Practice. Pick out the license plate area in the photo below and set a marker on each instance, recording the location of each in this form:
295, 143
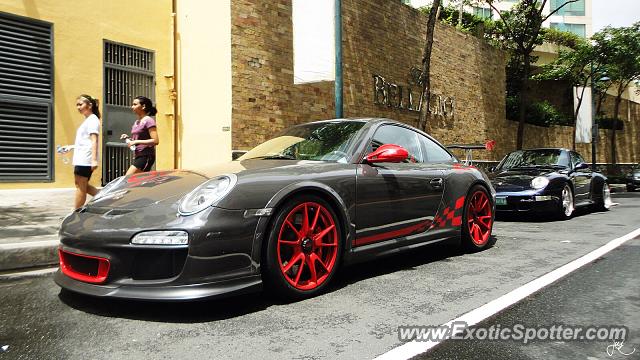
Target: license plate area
501, 201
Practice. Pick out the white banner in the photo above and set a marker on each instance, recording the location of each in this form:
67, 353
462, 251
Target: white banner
584, 120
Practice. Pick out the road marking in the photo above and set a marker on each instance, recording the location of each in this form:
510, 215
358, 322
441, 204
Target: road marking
28, 273
29, 244
491, 308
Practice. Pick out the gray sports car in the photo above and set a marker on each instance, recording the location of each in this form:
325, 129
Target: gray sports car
288, 213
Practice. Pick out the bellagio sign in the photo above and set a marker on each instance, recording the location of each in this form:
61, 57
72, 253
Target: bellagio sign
386, 93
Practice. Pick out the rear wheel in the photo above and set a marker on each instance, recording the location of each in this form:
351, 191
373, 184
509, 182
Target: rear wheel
566, 207
604, 201
477, 220
304, 248
631, 188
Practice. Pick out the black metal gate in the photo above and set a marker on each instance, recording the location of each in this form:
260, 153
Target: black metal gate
128, 72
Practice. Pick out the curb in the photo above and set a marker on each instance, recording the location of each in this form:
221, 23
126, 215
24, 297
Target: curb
28, 254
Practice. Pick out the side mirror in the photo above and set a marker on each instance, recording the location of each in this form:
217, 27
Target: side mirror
492, 169
581, 166
388, 153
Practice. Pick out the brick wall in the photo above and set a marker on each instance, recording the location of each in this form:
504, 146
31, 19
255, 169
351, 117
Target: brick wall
379, 37
386, 38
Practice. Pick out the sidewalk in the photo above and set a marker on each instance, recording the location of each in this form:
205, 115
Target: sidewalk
29, 223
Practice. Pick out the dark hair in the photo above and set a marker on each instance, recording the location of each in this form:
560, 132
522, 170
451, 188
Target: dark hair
87, 99
148, 105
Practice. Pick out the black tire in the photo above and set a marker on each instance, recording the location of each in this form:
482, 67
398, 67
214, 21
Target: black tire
280, 247
481, 217
631, 188
566, 206
603, 200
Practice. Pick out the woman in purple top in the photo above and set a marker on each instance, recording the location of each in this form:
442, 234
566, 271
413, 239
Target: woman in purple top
144, 136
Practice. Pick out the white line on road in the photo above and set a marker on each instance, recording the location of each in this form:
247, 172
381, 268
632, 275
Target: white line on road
491, 308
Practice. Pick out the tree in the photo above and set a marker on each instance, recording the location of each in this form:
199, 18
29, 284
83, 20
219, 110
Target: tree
577, 66
426, 65
519, 32
619, 50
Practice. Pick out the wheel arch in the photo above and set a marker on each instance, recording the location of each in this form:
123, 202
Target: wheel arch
320, 190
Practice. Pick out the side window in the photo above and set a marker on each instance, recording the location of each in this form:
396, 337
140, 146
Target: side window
391, 134
575, 159
434, 152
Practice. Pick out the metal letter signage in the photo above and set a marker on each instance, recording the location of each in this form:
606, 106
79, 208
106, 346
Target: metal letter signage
392, 95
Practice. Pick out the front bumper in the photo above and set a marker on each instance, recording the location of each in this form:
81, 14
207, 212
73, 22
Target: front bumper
633, 182
218, 289
527, 201
220, 258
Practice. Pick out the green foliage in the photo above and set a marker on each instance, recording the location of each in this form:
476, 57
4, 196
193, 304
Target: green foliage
619, 50
471, 23
563, 38
608, 123
538, 113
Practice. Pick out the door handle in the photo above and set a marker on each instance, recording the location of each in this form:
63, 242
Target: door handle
436, 183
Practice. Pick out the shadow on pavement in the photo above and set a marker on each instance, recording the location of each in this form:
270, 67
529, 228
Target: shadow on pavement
221, 309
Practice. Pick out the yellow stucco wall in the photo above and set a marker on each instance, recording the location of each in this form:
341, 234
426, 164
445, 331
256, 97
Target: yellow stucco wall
79, 29
204, 82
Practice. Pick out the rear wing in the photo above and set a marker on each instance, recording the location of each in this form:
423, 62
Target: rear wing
468, 149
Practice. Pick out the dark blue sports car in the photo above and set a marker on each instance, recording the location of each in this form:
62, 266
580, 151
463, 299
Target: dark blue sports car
554, 181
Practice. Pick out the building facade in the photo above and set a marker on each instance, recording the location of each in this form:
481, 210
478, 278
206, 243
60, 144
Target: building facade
223, 77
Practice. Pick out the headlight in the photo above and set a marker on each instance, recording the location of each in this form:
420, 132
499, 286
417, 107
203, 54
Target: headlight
109, 188
161, 238
206, 194
539, 182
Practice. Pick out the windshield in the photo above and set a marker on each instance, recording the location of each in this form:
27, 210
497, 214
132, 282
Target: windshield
325, 141
535, 158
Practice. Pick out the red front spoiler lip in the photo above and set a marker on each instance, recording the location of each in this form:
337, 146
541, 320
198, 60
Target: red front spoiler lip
67, 269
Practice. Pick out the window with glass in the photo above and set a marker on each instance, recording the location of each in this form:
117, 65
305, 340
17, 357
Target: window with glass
434, 152
324, 141
397, 135
535, 158
571, 9
482, 12
578, 29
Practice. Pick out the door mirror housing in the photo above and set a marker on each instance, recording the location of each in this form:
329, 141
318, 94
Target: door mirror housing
492, 169
389, 153
581, 166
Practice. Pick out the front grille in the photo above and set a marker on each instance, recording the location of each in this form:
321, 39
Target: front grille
155, 264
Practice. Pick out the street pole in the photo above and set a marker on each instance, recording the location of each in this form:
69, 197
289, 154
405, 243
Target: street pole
594, 124
338, 49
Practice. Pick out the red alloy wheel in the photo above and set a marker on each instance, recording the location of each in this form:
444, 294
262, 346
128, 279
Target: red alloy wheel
307, 246
479, 218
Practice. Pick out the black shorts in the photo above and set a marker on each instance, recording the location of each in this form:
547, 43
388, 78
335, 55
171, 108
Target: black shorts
84, 171
144, 162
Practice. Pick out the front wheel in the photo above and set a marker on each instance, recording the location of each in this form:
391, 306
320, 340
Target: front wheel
304, 248
566, 207
477, 220
604, 201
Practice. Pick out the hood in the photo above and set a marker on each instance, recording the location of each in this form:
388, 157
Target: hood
236, 167
145, 189
518, 177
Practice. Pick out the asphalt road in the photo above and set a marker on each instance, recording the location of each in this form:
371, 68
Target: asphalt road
602, 294
358, 318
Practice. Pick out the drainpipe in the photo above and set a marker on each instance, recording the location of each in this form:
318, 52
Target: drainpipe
174, 95
338, 51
